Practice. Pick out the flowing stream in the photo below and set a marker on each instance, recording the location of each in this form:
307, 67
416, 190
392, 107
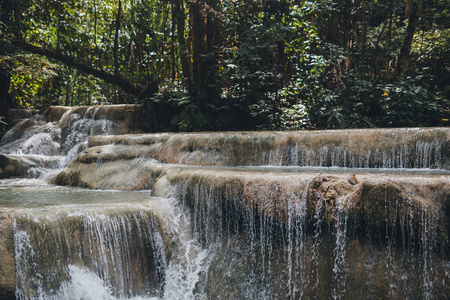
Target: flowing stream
360, 214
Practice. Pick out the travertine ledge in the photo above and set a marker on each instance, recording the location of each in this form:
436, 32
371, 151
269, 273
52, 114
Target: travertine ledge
353, 148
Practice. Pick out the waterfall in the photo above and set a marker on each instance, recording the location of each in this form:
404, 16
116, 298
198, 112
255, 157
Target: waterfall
338, 214
393, 149
124, 250
60, 133
138, 247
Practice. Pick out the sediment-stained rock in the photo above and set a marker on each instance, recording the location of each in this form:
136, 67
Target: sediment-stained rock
10, 167
287, 233
27, 166
373, 199
122, 242
318, 234
363, 148
7, 267
33, 142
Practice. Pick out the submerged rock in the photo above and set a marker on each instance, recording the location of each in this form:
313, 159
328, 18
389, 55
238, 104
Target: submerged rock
10, 167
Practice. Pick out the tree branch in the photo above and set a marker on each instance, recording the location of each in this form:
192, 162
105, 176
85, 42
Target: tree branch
117, 80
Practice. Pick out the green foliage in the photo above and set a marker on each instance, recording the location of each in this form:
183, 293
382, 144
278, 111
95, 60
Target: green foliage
189, 117
267, 64
409, 104
294, 117
261, 59
31, 79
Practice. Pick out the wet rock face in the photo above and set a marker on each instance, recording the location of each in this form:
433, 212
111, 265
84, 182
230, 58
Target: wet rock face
125, 248
79, 123
384, 148
276, 233
330, 235
330, 191
391, 247
60, 131
30, 166
10, 167
63, 123
122, 175
369, 272
7, 268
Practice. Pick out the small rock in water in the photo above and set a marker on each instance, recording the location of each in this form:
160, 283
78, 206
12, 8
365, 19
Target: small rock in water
352, 179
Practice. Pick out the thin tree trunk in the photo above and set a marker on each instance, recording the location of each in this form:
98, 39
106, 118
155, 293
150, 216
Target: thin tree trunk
405, 51
163, 61
95, 35
72, 89
194, 34
5, 100
180, 19
389, 37
212, 41
66, 103
172, 49
17, 21
363, 30
116, 40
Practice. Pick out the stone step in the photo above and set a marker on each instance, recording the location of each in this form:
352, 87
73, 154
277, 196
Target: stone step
353, 148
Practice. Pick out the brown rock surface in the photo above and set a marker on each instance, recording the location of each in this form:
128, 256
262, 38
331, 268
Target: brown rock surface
7, 268
382, 148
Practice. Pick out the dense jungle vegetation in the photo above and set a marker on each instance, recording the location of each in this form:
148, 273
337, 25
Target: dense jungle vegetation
230, 65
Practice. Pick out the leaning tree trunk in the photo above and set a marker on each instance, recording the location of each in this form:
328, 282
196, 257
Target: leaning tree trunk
414, 15
117, 80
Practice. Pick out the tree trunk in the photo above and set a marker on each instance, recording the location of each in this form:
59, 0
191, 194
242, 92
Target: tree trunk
415, 12
17, 21
203, 44
363, 31
5, 100
96, 51
173, 47
116, 40
178, 11
66, 100
197, 37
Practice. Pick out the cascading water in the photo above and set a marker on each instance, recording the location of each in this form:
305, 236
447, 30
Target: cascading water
261, 258
109, 245
356, 214
52, 140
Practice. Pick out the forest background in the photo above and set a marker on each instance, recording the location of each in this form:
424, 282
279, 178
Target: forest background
233, 65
